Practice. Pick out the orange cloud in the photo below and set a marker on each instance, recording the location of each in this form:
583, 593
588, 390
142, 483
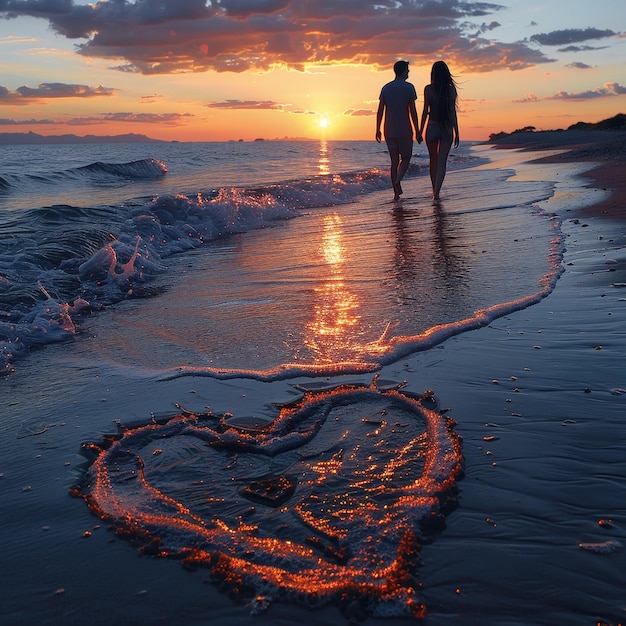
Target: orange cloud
246, 104
155, 37
606, 91
168, 119
44, 91
358, 112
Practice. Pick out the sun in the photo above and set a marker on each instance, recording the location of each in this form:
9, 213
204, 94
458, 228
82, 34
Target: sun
323, 122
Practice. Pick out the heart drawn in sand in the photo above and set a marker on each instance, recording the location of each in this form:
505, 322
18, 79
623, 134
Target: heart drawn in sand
328, 502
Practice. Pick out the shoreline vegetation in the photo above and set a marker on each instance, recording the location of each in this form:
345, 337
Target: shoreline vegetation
615, 123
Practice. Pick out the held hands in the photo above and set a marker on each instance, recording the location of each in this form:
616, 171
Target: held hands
419, 137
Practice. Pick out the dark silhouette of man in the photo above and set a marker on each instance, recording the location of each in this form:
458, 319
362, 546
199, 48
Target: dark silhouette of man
397, 105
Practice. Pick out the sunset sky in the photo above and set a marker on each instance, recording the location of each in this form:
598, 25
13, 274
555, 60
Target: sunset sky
218, 70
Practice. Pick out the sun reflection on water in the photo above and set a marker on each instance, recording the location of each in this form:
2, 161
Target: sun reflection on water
335, 333
323, 164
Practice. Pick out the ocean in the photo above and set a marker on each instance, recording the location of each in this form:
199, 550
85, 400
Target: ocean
86, 227
192, 340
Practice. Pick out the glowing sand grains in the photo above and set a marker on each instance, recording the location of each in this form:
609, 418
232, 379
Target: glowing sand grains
329, 502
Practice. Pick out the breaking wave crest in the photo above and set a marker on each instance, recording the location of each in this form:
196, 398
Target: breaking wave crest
142, 168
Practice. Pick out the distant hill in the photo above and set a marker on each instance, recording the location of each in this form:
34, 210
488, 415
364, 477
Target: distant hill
617, 122
35, 139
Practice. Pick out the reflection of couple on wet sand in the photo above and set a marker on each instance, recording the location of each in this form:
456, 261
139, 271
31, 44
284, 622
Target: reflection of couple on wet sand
397, 106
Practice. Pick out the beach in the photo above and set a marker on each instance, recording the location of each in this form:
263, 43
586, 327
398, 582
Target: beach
538, 397
603, 148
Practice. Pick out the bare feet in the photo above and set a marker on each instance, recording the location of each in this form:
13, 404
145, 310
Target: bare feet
397, 191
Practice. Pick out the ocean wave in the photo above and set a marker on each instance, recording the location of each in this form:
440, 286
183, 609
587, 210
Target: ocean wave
104, 254
142, 168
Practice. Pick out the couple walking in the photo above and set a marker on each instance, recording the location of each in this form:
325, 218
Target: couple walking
397, 105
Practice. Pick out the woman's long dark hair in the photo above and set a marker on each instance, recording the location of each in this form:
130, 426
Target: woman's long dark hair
441, 81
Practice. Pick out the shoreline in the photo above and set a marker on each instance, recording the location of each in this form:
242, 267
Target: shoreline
606, 148
539, 398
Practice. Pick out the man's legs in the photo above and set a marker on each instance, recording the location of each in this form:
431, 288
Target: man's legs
394, 155
406, 152
400, 151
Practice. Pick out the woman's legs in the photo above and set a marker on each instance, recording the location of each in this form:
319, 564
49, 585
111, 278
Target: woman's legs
439, 143
442, 162
433, 153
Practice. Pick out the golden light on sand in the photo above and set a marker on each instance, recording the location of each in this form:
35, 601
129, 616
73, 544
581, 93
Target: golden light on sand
375, 470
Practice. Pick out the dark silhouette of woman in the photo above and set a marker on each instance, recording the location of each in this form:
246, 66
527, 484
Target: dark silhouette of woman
440, 99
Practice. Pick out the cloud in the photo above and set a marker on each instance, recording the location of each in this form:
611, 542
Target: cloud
144, 118
359, 112
11, 39
579, 66
166, 37
246, 104
484, 28
570, 35
607, 90
44, 91
134, 118
63, 90
529, 97
32, 122
581, 48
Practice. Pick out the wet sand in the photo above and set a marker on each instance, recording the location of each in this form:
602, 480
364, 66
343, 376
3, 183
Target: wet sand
542, 417
607, 149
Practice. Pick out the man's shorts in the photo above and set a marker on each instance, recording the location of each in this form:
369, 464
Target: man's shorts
401, 145
436, 132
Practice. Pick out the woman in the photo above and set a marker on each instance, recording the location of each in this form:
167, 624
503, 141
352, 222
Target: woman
443, 127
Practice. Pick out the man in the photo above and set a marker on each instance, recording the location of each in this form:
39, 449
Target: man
397, 103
